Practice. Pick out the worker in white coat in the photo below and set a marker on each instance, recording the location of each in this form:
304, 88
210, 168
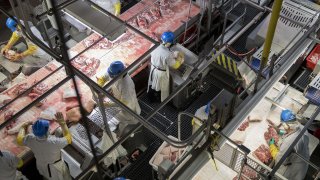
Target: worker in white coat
40, 57
47, 148
123, 90
161, 58
202, 113
293, 168
8, 166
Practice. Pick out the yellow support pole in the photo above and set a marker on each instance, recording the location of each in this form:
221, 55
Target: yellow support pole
276, 8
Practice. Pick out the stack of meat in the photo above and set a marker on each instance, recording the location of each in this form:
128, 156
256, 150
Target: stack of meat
247, 172
169, 152
271, 133
6, 116
86, 65
263, 154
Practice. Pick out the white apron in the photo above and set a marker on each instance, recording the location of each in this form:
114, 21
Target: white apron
159, 78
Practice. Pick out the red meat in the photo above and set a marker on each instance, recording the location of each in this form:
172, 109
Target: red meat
247, 172
86, 65
155, 13
142, 21
244, 126
271, 133
148, 16
133, 22
263, 154
20, 88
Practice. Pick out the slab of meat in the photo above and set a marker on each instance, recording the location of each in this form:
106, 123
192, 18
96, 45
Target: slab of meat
73, 114
169, 152
19, 89
154, 36
7, 115
104, 44
263, 154
165, 3
142, 21
86, 65
133, 22
244, 126
38, 90
166, 11
155, 13
4, 99
271, 133
88, 42
247, 172
148, 16
124, 38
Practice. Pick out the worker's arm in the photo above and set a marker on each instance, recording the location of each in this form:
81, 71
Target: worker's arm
20, 163
274, 150
102, 80
13, 39
22, 133
117, 8
175, 59
64, 127
32, 48
30, 51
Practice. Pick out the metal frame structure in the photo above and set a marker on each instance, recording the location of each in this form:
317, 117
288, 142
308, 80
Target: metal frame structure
63, 58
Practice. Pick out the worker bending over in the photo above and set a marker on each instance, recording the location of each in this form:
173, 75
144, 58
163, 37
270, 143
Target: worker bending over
8, 166
41, 58
293, 168
123, 90
47, 148
161, 58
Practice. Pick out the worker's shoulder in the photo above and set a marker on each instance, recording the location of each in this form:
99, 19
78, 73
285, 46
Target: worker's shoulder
161, 50
56, 140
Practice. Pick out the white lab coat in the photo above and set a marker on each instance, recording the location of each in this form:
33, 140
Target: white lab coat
201, 114
8, 166
159, 78
106, 144
124, 90
294, 168
48, 156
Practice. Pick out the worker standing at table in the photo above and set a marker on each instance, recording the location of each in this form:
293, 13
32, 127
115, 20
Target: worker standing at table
40, 59
161, 59
47, 148
123, 90
293, 168
8, 166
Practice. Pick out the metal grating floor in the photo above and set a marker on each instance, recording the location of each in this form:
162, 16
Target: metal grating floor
165, 120
303, 80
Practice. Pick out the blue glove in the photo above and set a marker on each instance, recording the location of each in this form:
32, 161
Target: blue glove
271, 141
287, 115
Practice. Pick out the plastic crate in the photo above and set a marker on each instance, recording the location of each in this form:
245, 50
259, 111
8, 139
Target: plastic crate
163, 145
313, 57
